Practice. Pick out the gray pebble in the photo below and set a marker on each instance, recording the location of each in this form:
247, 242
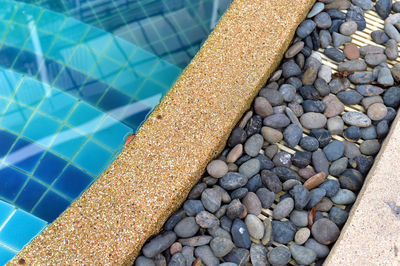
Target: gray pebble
356, 119
316, 9
301, 196
193, 207
283, 232
279, 256
320, 162
302, 255
322, 251
290, 69
238, 256
159, 244
325, 38
313, 120
258, 255
283, 208
375, 59
305, 28
344, 196
266, 197
288, 92
338, 166
370, 147
177, 260
206, 255
353, 65
211, 197
340, 39
187, 227
383, 8
294, 49
323, 20
143, 261
221, 246
206, 219
250, 168
277, 121
379, 36
338, 216
240, 234
255, 226
370, 49
254, 144
195, 241
350, 97
348, 28
364, 4
299, 218
335, 125
385, 77
273, 96
325, 231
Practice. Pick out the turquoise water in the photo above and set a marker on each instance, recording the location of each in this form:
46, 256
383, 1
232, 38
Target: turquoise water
76, 78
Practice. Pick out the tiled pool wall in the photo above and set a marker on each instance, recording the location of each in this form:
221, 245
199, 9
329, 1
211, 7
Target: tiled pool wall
75, 82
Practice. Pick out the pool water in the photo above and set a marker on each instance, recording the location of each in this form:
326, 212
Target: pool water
76, 78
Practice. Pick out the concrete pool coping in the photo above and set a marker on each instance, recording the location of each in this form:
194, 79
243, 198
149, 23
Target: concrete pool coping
151, 177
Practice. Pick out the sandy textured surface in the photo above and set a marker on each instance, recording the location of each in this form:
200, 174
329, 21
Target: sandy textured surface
371, 235
150, 179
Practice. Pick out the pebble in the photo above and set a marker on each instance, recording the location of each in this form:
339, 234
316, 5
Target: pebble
143, 261
325, 38
294, 49
283, 232
335, 14
322, 251
316, 9
356, 119
238, 256
338, 4
250, 168
193, 207
240, 234
290, 69
391, 97
255, 226
348, 28
302, 255
367, 101
271, 181
282, 158
338, 84
159, 244
289, 184
323, 20
277, 121
302, 236
206, 219
271, 150
383, 8
314, 181
351, 150
175, 247
262, 107
313, 120
292, 116
322, 86
351, 51
351, 179
352, 133
353, 65
285, 173
370, 147
299, 218
385, 77
340, 39
322, 135
325, 73
337, 167
377, 111
217, 168
396, 7
237, 136
221, 246
234, 153
316, 196
335, 25
160, 260
253, 145
301, 159
364, 4
370, 49
325, 231
206, 255
235, 209
349, 97
288, 92
187, 227
252, 203
292, 135
253, 184
301, 196
333, 106
309, 143
174, 219
320, 162
392, 50
356, 14
265, 162
335, 125
258, 255
211, 198
254, 125
375, 59
362, 77
344, 196
379, 36
279, 256
324, 205
306, 173
195, 241
382, 128
283, 208
266, 197
309, 76
304, 29
314, 106
338, 216
271, 135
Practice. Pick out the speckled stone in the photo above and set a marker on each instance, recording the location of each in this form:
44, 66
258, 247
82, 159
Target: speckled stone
279, 256
356, 119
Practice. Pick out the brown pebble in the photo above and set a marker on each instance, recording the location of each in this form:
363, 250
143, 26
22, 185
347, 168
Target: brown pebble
197, 262
377, 111
351, 51
271, 150
314, 181
245, 119
324, 205
244, 213
334, 106
271, 135
262, 107
235, 153
306, 173
175, 248
232, 167
252, 203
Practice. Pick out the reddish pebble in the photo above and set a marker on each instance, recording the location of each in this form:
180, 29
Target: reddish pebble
197, 262
351, 51
306, 173
175, 247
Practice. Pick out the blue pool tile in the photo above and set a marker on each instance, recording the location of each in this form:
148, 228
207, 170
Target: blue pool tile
166, 73
85, 118
21, 229
26, 14
7, 140
11, 181
7, 10
3, 27
30, 92
51, 206
50, 21
150, 89
93, 158
15, 117
112, 133
5, 210
28, 63
128, 81
119, 50
49, 167
83, 59
3, 104
113, 100
137, 115
6, 255
67, 142
70, 80
61, 49
8, 80
7, 55
16, 35
143, 61
73, 29
72, 182
57, 104
41, 129
24, 155
97, 39
106, 70
39, 42
29, 195
92, 90
49, 70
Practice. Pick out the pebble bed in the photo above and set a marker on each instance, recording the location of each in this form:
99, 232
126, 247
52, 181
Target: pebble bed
283, 187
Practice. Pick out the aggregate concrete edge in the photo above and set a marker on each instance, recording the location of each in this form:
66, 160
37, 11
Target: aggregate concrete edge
151, 177
371, 235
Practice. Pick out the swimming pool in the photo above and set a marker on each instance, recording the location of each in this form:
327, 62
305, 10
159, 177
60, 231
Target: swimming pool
78, 77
